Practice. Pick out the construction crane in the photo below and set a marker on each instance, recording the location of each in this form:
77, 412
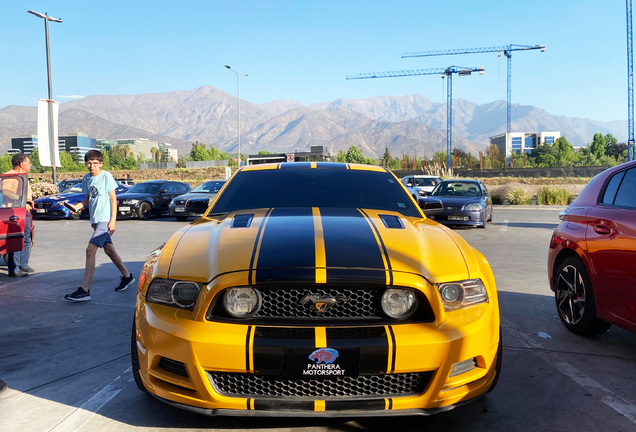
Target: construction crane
631, 151
507, 51
445, 72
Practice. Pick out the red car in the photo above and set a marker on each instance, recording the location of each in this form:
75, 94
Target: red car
13, 201
592, 255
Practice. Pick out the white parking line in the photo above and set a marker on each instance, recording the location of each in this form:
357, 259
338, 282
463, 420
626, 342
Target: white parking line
81, 415
504, 225
593, 387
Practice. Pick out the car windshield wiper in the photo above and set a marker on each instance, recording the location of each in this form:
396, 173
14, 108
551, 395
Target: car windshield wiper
217, 214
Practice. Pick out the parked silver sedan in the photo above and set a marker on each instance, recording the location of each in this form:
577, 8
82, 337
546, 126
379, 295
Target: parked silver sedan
420, 185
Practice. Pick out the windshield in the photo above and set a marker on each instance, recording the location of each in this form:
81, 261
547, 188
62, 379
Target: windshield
209, 187
426, 181
144, 188
71, 187
457, 188
324, 187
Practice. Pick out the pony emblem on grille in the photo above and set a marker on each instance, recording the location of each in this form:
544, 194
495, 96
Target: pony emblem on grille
322, 303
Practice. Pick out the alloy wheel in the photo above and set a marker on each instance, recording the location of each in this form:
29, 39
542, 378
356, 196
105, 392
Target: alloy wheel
570, 294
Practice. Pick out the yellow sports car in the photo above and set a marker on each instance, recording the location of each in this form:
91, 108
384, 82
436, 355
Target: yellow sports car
316, 289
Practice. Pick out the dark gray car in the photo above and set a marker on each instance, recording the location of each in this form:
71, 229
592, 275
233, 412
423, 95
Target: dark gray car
195, 202
466, 202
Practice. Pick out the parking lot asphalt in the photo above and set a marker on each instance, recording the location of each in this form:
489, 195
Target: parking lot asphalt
67, 365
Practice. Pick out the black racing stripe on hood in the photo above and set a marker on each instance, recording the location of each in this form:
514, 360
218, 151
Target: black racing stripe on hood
258, 236
349, 240
270, 343
300, 275
372, 341
384, 251
358, 275
288, 239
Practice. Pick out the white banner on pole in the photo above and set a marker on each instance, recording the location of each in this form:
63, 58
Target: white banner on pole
48, 145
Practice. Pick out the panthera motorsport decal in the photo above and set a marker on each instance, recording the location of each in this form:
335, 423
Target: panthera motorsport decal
324, 355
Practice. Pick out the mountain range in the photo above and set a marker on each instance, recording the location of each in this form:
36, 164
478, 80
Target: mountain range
404, 124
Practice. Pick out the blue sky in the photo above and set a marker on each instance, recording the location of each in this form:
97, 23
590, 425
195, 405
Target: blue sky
303, 50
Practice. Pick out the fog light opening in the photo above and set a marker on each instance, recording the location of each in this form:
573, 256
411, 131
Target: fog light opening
463, 367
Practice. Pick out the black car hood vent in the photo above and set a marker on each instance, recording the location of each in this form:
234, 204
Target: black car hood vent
391, 221
242, 220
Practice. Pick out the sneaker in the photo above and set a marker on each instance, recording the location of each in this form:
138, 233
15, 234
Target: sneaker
28, 270
123, 284
79, 296
19, 273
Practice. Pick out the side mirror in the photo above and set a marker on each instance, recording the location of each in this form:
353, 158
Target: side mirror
409, 184
430, 206
163, 191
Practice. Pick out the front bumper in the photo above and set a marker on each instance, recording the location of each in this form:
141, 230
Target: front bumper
180, 210
167, 337
460, 217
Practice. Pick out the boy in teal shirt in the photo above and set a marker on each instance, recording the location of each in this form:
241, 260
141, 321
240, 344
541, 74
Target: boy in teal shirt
99, 187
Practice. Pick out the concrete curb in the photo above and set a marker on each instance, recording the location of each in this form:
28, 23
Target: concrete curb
3, 385
529, 207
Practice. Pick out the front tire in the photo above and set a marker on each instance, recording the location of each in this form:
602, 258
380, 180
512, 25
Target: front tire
574, 299
144, 211
76, 216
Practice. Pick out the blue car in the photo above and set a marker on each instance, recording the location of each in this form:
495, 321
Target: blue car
52, 206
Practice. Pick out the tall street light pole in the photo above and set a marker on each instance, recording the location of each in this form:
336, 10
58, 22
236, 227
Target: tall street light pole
238, 104
47, 18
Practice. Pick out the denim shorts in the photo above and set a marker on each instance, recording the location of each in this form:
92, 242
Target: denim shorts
101, 236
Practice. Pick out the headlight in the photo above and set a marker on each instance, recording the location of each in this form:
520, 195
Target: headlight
398, 303
130, 201
424, 193
182, 294
242, 302
474, 207
461, 294
59, 203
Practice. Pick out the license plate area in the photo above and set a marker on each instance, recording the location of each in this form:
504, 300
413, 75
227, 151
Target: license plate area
41, 210
459, 218
322, 363
124, 209
180, 209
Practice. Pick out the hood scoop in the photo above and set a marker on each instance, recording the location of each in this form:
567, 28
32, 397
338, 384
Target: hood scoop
392, 222
242, 220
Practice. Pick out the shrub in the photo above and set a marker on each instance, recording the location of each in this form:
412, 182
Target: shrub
41, 189
518, 194
550, 196
497, 198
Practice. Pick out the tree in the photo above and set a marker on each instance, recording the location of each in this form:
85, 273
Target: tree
386, 158
199, 152
263, 152
5, 163
340, 156
566, 155
597, 146
354, 155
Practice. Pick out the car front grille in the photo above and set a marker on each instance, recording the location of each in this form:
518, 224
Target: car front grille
179, 202
43, 205
195, 206
286, 304
253, 385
